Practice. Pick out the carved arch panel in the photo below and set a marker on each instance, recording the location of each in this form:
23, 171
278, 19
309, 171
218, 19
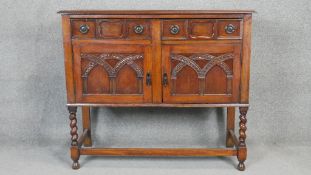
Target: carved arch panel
112, 64
207, 62
201, 73
106, 72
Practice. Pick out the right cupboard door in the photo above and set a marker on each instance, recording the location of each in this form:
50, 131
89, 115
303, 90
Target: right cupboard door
201, 73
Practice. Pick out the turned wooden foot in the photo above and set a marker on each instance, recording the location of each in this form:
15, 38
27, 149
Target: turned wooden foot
242, 150
75, 165
241, 166
74, 150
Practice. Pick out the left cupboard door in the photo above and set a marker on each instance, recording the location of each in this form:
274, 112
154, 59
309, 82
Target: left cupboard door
112, 73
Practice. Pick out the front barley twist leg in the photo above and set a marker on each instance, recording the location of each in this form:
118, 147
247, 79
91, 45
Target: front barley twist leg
75, 154
242, 150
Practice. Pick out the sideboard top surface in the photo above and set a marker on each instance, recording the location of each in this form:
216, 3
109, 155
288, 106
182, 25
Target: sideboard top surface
152, 12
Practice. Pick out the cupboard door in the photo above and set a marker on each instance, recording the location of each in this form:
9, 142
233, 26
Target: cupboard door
201, 73
108, 73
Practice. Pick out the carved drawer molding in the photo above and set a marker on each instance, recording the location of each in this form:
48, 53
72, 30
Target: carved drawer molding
130, 29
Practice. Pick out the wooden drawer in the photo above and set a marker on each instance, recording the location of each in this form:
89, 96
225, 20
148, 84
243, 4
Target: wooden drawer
83, 28
202, 28
138, 29
129, 29
229, 29
174, 29
198, 29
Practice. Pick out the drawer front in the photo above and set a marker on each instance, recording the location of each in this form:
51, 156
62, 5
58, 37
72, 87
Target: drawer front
206, 73
112, 73
174, 29
201, 29
229, 29
83, 28
128, 29
138, 29
111, 28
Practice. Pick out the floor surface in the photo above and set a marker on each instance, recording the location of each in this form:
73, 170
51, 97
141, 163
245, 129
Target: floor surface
263, 160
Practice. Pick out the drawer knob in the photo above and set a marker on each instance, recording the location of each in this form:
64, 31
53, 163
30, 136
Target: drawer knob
174, 29
84, 28
139, 29
230, 28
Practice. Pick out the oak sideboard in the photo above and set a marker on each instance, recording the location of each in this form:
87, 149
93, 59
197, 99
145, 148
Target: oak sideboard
157, 58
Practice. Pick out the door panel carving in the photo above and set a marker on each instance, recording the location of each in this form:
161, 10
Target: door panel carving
130, 62
201, 73
211, 62
107, 73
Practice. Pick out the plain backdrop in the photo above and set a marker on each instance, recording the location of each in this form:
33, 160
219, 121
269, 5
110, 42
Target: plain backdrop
32, 84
